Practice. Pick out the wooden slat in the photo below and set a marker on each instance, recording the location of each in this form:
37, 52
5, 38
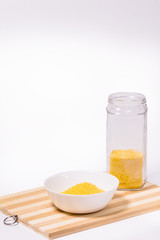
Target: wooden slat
23, 200
35, 210
22, 194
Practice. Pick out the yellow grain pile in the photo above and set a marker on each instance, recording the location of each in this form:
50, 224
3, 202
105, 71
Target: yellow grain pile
83, 189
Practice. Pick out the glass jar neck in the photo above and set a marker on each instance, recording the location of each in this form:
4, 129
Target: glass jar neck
126, 103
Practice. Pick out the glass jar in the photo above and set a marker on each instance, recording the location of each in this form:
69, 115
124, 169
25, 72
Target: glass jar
127, 139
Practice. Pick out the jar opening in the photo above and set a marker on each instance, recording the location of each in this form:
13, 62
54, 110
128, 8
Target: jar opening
124, 99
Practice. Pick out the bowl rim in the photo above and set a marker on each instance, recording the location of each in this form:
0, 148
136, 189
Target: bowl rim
84, 195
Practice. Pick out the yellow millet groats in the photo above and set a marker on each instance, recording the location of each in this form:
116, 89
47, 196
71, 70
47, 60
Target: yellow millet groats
83, 189
127, 166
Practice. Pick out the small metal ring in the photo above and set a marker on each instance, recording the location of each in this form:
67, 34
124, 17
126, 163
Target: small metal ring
11, 220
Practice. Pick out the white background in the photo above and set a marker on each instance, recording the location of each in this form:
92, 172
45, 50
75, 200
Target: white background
59, 61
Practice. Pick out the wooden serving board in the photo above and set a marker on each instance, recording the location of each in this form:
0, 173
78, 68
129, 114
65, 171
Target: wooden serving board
35, 209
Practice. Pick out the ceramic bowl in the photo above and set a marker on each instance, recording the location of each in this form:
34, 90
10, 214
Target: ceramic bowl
81, 203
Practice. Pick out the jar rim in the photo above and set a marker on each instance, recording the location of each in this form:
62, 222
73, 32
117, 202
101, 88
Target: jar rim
123, 98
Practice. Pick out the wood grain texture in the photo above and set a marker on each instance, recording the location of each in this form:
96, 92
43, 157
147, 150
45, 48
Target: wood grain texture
35, 209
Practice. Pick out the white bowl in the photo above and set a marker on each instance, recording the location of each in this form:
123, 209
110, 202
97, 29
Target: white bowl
81, 203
